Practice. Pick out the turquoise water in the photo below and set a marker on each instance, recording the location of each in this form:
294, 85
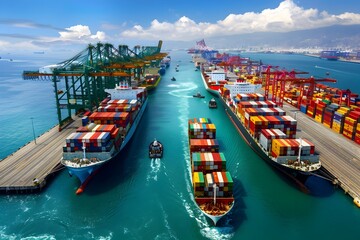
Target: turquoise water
137, 198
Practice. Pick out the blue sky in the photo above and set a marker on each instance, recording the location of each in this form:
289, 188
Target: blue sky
39, 25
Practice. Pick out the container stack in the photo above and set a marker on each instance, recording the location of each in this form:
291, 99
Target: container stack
243, 106
208, 162
103, 129
198, 184
290, 147
93, 141
304, 106
204, 145
267, 135
240, 97
285, 123
120, 119
204, 184
202, 130
319, 112
264, 112
339, 119
311, 109
115, 108
329, 114
350, 124
357, 134
208, 165
224, 184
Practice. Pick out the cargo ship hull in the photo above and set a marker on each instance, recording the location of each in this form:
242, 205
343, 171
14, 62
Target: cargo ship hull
212, 183
82, 173
297, 175
84, 167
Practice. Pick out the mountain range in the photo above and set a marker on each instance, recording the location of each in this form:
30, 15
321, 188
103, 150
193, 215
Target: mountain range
334, 37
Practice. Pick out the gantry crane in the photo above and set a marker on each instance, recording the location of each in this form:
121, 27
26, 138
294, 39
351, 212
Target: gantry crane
277, 79
80, 81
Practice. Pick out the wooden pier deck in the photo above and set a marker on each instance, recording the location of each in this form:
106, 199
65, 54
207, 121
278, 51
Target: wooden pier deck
40, 160
338, 155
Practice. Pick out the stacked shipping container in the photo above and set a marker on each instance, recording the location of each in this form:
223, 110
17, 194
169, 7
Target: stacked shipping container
350, 124
204, 184
208, 165
102, 130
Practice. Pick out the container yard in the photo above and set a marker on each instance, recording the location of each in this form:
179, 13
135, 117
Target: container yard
338, 154
330, 119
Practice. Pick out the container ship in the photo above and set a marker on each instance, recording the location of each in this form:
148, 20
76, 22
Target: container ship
104, 133
262, 124
212, 183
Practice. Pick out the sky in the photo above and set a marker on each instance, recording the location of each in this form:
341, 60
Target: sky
70, 25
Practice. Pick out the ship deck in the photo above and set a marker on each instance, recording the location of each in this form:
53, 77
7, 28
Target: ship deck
338, 155
34, 161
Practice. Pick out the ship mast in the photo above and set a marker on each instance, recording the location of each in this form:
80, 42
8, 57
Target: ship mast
84, 151
300, 146
215, 187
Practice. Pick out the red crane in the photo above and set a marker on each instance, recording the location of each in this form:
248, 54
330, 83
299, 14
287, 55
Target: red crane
345, 95
277, 79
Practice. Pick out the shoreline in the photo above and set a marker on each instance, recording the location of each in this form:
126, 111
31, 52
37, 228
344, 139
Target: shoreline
340, 59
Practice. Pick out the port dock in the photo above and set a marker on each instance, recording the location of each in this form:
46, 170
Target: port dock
339, 156
27, 169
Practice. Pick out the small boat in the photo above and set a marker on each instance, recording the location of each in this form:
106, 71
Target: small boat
212, 103
176, 69
198, 95
155, 149
173, 79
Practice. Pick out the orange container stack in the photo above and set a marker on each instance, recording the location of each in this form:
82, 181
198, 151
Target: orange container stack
350, 124
290, 147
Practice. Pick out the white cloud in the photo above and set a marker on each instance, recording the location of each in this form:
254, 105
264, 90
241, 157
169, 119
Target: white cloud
81, 32
288, 16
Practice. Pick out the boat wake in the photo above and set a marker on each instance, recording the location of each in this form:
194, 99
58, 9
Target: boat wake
218, 232
155, 164
169, 234
183, 89
329, 69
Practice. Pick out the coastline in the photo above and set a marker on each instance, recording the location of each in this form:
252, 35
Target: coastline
340, 59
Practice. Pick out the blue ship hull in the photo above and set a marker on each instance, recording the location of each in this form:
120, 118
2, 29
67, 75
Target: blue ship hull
83, 173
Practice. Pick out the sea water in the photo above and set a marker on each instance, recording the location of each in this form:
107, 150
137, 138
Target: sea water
136, 197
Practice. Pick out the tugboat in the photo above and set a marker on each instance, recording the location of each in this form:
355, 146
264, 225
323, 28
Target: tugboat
155, 149
198, 95
173, 79
212, 103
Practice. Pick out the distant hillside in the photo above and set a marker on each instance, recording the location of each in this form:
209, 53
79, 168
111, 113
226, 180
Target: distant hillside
327, 38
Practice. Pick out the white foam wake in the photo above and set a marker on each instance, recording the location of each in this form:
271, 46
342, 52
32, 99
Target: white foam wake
155, 164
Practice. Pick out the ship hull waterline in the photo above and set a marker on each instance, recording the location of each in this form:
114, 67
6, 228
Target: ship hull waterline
299, 177
84, 174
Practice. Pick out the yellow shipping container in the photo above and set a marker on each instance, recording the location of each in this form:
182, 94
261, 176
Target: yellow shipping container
336, 128
318, 118
199, 194
349, 119
277, 145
